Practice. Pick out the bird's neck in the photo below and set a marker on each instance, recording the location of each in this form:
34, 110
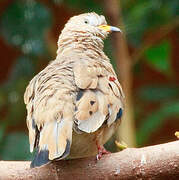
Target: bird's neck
81, 42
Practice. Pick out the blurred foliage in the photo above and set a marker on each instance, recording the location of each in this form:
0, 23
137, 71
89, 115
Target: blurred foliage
25, 23
85, 5
11, 147
158, 93
155, 119
158, 56
142, 16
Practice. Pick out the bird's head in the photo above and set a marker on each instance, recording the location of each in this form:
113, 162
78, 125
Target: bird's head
90, 24
86, 31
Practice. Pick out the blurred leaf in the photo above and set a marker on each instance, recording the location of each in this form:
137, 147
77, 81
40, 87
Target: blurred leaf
57, 1
110, 144
23, 68
172, 7
156, 93
15, 147
34, 46
2, 131
141, 16
135, 19
108, 49
16, 109
3, 98
11, 92
158, 57
86, 5
154, 121
24, 24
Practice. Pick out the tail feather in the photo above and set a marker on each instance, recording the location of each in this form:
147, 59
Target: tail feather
66, 152
41, 158
54, 142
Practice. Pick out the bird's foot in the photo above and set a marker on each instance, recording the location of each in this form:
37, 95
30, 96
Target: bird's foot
101, 152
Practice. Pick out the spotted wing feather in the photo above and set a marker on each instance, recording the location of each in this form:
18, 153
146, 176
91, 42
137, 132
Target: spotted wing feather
100, 99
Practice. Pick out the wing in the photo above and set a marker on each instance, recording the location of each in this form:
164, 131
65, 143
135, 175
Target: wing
100, 96
28, 99
50, 109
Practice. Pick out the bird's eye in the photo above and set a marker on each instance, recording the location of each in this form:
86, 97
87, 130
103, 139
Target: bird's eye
86, 21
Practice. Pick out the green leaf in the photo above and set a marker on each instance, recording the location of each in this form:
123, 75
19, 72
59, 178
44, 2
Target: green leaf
158, 57
154, 121
15, 146
155, 93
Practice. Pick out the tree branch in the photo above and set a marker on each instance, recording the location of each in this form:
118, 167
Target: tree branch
153, 162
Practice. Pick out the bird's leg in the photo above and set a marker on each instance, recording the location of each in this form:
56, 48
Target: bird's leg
101, 151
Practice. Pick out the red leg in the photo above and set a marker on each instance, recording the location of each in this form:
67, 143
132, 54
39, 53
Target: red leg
101, 151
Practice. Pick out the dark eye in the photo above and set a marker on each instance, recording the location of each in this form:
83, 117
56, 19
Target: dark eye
86, 21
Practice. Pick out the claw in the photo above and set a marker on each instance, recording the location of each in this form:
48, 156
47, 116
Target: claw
101, 152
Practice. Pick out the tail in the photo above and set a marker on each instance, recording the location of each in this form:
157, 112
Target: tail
40, 158
54, 143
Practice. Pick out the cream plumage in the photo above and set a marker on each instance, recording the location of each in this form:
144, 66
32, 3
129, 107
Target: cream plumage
74, 103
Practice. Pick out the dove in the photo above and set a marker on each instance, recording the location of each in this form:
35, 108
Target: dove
75, 104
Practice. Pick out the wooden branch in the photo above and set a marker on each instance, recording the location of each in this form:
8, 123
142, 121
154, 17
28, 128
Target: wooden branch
153, 162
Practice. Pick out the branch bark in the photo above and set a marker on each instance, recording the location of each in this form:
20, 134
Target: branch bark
153, 162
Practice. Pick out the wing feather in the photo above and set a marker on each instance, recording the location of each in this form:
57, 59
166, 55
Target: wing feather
50, 109
101, 98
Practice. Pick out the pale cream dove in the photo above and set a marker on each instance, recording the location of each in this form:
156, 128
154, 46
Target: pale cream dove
74, 104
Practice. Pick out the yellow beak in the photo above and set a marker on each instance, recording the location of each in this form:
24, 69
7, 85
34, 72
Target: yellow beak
108, 28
